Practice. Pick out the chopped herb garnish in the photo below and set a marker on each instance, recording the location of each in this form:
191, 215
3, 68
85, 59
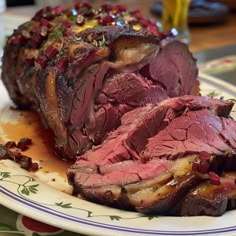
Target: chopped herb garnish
56, 35
213, 94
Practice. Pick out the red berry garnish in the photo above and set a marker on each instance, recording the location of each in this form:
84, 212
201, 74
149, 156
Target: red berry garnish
50, 51
204, 155
16, 40
121, 8
214, 178
144, 23
29, 61
67, 32
58, 10
106, 20
34, 167
201, 167
107, 7
66, 24
80, 20
44, 31
10, 144
26, 34
137, 14
154, 31
45, 22
41, 61
85, 5
36, 41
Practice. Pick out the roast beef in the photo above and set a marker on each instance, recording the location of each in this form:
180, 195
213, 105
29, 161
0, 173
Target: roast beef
131, 171
111, 87
83, 68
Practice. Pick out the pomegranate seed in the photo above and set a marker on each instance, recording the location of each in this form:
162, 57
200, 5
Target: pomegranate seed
10, 144
106, 20
204, 155
36, 41
22, 147
121, 8
137, 14
153, 22
25, 162
48, 9
44, 31
17, 155
50, 51
43, 13
214, 178
38, 15
16, 40
41, 61
85, 5
195, 166
45, 22
34, 167
66, 24
154, 31
203, 167
107, 7
77, 4
58, 9
25, 34
145, 23
80, 20
67, 32
62, 64
25, 141
29, 61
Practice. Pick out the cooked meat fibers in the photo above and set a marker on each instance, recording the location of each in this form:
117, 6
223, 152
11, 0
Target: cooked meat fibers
130, 171
82, 71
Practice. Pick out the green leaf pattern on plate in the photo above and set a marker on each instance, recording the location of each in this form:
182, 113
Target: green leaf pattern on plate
25, 189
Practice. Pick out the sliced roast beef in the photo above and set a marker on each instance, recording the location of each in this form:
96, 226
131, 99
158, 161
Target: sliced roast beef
160, 70
192, 133
130, 177
98, 79
83, 75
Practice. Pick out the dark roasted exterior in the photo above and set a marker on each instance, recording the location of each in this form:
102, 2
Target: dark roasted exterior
120, 99
82, 69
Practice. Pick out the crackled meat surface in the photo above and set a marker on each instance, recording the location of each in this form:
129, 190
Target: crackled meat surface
83, 68
161, 157
122, 100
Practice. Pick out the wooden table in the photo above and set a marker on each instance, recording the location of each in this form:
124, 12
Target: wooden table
205, 37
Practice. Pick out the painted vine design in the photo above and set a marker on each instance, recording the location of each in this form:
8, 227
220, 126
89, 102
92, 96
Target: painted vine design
30, 187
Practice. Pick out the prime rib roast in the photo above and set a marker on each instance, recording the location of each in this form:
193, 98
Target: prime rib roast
82, 69
122, 100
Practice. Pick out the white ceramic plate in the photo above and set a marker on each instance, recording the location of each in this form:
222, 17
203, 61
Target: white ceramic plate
40, 198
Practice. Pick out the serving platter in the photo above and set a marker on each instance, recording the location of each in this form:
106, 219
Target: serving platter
45, 195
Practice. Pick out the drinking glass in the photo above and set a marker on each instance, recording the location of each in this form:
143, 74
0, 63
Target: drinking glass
2, 35
175, 16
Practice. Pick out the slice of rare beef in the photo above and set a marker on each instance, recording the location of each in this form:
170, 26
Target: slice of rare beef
116, 172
